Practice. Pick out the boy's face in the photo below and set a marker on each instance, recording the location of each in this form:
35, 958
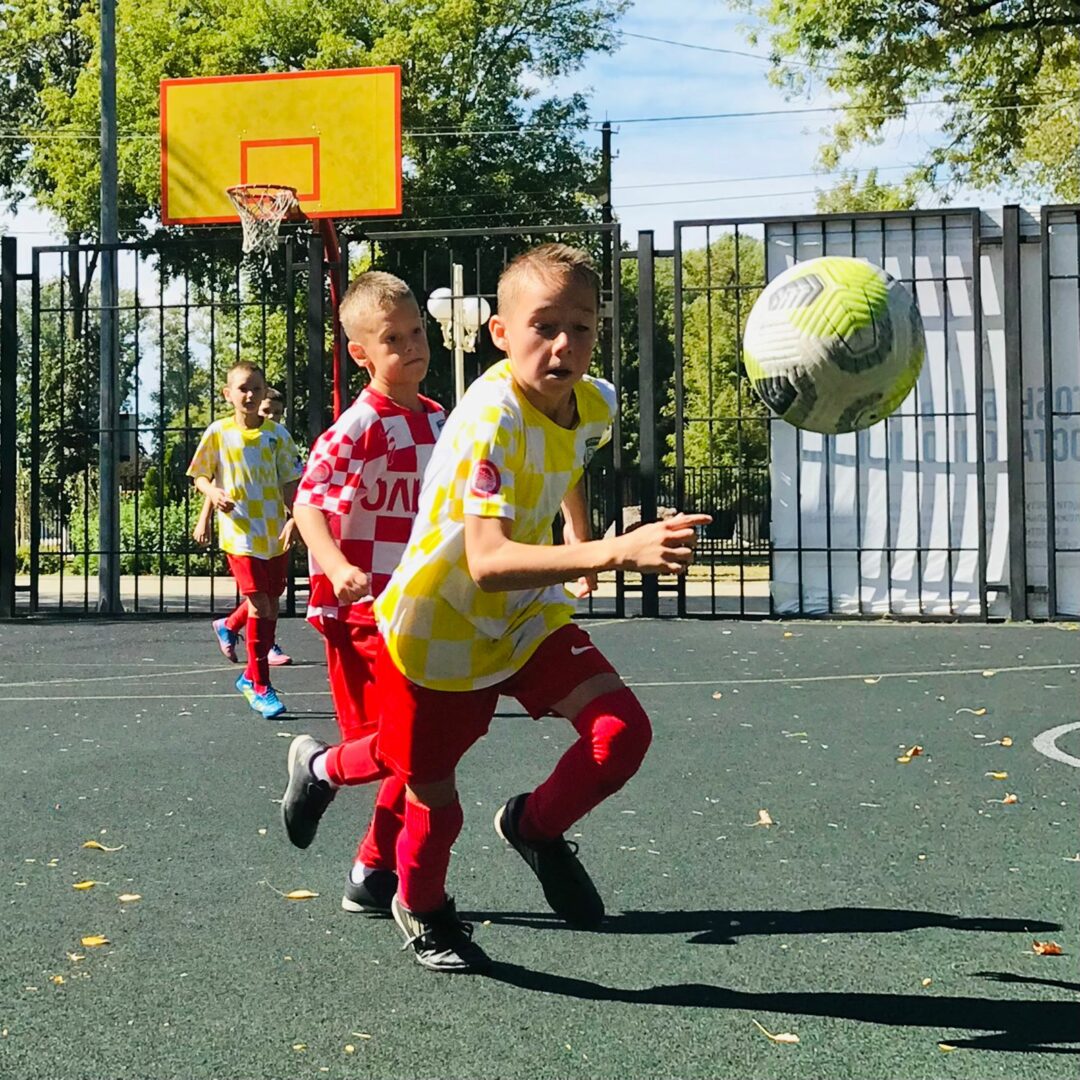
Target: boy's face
548, 334
245, 391
272, 409
392, 344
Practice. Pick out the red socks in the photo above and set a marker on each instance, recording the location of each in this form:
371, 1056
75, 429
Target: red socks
237, 620
423, 854
354, 762
614, 734
260, 639
379, 848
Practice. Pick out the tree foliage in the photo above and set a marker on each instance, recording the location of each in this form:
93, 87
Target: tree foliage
481, 137
1005, 75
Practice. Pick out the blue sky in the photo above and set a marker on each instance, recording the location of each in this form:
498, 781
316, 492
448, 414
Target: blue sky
692, 169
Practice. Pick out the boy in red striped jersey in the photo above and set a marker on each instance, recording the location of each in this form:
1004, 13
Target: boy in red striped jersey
355, 508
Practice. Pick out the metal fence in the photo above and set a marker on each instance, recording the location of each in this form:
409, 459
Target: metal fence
964, 504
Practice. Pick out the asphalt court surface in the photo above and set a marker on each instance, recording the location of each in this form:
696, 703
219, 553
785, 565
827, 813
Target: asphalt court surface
889, 911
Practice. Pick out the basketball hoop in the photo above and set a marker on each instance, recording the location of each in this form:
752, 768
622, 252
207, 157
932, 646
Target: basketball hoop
262, 209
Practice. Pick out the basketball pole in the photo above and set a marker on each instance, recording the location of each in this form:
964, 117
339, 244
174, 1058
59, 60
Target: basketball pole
108, 464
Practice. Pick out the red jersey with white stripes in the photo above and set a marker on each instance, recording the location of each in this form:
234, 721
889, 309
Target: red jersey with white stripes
364, 473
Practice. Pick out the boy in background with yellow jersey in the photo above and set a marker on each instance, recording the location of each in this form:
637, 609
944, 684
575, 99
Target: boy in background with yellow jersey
478, 608
248, 467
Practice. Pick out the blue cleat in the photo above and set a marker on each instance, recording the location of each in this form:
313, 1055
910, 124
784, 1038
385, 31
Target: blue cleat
266, 704
226, 639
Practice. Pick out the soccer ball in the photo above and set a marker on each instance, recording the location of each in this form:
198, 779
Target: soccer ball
833, 344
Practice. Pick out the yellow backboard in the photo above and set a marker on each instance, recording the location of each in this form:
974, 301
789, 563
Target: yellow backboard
335, 136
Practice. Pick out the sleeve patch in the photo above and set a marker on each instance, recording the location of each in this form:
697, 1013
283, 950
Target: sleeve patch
486, 479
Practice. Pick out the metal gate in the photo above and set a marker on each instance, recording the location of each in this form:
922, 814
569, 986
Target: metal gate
888, 521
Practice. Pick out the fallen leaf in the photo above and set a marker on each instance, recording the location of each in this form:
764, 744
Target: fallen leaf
1006, 740
299, 1046
782, 1037
58, 979
129, 897
904, 759
997, 775
763, 818
974, 712
873, 680
788, 633
946, 1048
75, 957
717, 696
360, 1034
915, 751
1072, 858
95, 846
92, 941
1046, 948
927, 982
1010, 799
301, 894
82, 886
349, 1048
988, 673
262, 832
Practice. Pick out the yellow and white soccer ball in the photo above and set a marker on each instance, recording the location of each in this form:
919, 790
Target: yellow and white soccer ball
833, 344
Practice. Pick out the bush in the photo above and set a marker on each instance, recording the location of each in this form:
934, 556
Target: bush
162, 545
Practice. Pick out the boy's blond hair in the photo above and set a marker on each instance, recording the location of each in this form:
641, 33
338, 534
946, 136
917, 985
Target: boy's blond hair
246, 366
374, 290
559, 261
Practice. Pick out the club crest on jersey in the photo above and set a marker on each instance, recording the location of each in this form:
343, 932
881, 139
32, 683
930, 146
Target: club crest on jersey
591, 445
486, 479
319, 473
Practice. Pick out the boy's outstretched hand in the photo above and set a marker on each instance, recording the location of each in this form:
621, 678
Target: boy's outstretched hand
201, 535
661, 547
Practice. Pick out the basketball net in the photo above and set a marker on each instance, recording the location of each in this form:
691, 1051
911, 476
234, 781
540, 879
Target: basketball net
262, 209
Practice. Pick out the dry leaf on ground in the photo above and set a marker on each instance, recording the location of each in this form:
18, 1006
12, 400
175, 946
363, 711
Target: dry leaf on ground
129, 897
872, 680
82, 886
1046, 948
997, 775
763, 818
974, 712
781, 1037
95, 846
92, 941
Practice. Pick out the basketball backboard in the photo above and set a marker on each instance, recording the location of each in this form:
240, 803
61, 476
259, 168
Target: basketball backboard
335, 136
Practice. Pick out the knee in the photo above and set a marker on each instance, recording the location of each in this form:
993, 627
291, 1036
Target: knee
259, 606
621, 735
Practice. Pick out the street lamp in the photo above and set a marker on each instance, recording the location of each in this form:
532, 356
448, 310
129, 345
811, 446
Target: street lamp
460, 317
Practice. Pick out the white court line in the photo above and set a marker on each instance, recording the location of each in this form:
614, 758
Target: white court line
1046, 743
156, 697
110, 678
777, 681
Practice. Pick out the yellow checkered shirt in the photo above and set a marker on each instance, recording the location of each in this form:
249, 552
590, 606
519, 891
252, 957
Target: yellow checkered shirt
498, 456
252, 465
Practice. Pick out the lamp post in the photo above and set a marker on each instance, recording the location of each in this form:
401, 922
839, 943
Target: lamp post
460, 317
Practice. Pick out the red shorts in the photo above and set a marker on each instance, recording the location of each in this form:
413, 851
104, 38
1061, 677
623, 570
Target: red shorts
254, 575
351, 649
424, 733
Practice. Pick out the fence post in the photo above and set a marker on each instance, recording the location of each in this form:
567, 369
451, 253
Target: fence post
316, 340
1013, 410
9, 350
650, 591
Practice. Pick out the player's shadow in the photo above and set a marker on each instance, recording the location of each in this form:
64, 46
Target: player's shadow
1030, 1026
727, 927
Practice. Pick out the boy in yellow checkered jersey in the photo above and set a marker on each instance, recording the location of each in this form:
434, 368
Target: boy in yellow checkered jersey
478, 607
248, 467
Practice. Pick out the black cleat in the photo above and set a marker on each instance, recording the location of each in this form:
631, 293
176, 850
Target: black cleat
373, 894
566, 883
440, 941
306, 798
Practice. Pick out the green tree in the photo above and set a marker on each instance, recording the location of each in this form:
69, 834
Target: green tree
480, 138
848, 195
1005, 75
724, 420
